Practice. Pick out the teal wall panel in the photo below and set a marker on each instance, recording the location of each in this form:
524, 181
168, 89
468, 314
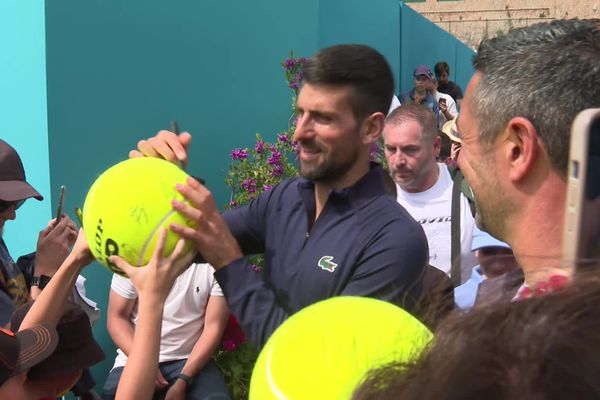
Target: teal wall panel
120, 71
23, 118
425, 43
374, 23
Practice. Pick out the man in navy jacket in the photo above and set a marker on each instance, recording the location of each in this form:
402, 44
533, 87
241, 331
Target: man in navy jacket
334, 230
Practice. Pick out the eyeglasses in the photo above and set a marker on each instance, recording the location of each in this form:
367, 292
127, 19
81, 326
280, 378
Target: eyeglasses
422, 78
5, 205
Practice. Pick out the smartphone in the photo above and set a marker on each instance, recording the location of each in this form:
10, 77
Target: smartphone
581, 232
61, 198
442, 101
174, 127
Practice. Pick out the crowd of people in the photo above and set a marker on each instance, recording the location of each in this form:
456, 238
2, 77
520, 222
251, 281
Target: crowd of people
480, 232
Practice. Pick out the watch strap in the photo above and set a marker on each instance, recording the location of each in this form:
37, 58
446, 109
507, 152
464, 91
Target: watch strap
186, 378
40, 281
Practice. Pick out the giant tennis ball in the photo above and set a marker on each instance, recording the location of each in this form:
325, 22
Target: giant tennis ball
126, 207
325, 350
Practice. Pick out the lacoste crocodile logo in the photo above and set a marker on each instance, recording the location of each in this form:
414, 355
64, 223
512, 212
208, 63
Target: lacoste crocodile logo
326, 263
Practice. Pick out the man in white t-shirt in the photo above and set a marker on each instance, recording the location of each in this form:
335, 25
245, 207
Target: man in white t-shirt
424, 186
194, 318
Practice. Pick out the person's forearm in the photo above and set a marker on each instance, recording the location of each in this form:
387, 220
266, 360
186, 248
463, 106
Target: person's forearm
203, 350
50, 302
137, 381
122, 333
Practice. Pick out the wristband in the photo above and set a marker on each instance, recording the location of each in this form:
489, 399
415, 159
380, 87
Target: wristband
187, 379
40, 281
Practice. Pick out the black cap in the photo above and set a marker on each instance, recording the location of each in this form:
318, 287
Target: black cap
13, 186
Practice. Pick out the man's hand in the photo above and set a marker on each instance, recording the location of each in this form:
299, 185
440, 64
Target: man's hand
166, 145
176, 391
212, 236
443, 106
161, 382
54, 244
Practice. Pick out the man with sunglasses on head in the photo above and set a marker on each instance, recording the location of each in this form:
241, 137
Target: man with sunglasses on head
27, 276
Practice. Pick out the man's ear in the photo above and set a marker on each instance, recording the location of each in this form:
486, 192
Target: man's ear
373, 127
437, 146
521, 147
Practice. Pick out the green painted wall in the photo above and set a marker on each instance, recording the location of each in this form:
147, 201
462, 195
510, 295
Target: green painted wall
23, 122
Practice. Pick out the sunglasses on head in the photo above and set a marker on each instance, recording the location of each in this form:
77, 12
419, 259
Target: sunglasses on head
5, 205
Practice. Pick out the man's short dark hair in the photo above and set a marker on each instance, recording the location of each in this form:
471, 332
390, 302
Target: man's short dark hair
360, 67
440, 68
547, 73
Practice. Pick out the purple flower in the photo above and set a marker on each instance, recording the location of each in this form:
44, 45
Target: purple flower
275, 159
233, 203
256, 268
294, 85
290, 63
277, 170
238, 154
283, 138
260, 146
375, 150
250, 185
267, 187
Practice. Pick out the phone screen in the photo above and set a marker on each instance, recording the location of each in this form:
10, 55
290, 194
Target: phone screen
590, 227
581, 238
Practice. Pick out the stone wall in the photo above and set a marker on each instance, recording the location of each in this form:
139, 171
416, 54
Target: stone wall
473, 20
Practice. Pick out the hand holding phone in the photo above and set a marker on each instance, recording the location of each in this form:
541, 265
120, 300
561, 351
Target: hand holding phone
443, 105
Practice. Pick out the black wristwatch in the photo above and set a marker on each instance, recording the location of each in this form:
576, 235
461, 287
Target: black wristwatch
40, 281
187, 379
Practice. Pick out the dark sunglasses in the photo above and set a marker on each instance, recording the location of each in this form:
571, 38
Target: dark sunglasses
5, 205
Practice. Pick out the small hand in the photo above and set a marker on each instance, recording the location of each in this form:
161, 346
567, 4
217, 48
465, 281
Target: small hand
81, 250
54, 244
443, 106
212, 236
176, 391
454, 150
166, 145
157, 277
160, 382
